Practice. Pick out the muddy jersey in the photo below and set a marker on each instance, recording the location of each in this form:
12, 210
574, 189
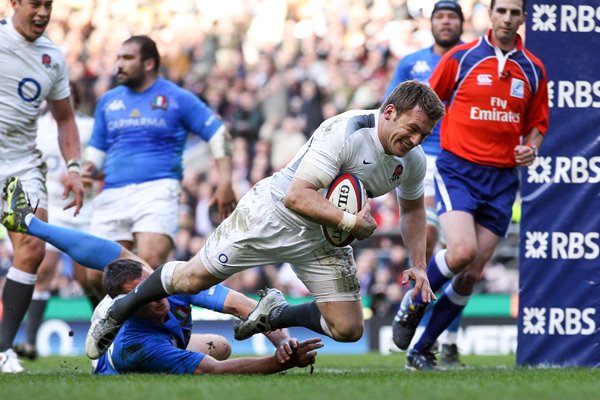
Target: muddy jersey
348, 143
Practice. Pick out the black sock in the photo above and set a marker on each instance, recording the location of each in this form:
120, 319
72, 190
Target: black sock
15, 300
35, 315
93, 300
149, 290
307, 315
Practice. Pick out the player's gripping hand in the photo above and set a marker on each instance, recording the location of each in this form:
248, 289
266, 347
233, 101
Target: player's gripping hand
365, 223
524, 155
305, 353
72, 184
285, 349
89, 174
419, 275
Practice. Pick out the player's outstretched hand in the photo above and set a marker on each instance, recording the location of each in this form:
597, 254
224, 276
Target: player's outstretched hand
305, 353
285, 349
419, 275
225, 200
365, 223
72, 184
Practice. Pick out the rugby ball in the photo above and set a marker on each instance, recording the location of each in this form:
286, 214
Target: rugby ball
347, 193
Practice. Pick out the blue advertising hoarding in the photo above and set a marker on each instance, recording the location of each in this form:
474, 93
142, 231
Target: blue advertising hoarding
59, 337
559, 298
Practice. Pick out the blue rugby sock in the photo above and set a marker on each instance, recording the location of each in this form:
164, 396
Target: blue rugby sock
447, 308
88, 250
438, 273
455, 324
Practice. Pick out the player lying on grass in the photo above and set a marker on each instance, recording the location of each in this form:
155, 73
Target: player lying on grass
157, 338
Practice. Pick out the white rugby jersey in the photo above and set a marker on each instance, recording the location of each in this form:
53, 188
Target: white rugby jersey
349, 143
47, 142
30, 72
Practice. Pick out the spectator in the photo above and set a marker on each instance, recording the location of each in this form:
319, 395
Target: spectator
286, 141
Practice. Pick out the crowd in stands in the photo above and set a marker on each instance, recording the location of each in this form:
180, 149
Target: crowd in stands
273, 70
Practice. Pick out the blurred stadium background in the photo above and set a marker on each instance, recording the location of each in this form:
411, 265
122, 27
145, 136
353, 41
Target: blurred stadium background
273, 70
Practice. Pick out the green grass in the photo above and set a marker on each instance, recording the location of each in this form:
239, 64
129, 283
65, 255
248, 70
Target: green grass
369, 376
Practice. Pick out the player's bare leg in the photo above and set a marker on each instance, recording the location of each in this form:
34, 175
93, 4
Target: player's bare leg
344, 319
214, 345
18, 290
39, 300
153, 247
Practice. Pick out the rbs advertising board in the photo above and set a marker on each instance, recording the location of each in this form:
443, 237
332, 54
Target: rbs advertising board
559, 316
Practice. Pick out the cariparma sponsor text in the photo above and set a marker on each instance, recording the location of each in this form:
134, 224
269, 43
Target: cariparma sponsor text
129, 122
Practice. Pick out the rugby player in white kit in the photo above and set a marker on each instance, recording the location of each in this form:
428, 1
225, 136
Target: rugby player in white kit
47, 143
32, 69
280, 218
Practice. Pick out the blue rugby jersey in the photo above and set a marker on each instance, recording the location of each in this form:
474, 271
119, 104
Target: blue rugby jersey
144, 346
143, 134
419, 65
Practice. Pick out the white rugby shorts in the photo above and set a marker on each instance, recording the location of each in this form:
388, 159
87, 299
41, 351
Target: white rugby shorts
31, 168
64, 218
256, 234
151, 207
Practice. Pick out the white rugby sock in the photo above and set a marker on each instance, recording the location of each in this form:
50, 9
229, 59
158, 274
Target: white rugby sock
325, 327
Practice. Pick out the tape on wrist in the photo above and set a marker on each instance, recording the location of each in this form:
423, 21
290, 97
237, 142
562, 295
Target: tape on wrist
74, 165
348, 221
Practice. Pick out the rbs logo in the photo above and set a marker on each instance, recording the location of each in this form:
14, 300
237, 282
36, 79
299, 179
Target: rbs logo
562, 245
578, 170
577, 94
558, 321
569, 18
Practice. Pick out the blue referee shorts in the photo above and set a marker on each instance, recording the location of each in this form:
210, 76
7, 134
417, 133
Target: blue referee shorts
486, 192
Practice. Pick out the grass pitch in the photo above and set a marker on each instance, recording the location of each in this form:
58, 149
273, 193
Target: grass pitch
370, 376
